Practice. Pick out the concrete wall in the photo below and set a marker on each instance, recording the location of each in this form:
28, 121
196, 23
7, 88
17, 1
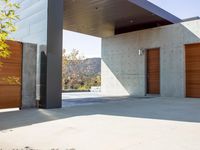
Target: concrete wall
29, 75
124, 71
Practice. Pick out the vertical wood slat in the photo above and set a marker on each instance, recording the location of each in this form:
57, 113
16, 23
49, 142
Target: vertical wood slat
192, 59
10, 92
153, 71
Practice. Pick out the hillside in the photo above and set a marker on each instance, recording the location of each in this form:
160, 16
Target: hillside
89, 66
82, 74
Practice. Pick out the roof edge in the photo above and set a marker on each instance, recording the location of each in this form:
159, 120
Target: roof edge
156, 10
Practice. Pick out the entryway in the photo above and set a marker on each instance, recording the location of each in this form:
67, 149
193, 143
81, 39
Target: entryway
192, 56
153, 71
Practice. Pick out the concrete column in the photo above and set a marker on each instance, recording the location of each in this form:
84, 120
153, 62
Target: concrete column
54, 54
29, 75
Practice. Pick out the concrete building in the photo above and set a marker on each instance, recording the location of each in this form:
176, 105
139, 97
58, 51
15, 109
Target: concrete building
143, 50
124, 70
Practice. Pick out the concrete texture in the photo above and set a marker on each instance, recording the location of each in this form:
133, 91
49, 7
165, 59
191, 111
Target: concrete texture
127, 124
29, 75
124, 71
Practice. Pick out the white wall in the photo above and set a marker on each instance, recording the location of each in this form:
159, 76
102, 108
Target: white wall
32, 28
124, 71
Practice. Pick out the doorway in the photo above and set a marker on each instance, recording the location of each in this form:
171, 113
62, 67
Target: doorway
192, 61
153, 71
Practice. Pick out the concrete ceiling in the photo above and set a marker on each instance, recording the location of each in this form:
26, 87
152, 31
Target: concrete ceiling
105, 18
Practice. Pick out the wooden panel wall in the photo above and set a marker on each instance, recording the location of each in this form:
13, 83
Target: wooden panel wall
10, 77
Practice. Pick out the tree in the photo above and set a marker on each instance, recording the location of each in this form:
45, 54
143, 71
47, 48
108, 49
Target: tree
77, 73
70, 69
64, 68
73, 69
7, 18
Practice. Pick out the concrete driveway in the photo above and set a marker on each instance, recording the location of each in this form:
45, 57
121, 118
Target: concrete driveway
125, 124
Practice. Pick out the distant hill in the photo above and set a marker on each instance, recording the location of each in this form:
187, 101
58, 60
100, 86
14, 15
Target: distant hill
89, 66
93, 66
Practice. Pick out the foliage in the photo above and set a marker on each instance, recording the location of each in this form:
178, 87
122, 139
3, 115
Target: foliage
74, 77
74, 59
7, 17
64, 68
90, 81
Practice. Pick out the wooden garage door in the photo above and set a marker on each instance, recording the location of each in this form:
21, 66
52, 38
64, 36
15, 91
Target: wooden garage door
192, 54
10, 77
153, 71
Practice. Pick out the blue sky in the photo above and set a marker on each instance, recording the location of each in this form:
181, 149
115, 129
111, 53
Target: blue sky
181, 8
91, 46
88, 46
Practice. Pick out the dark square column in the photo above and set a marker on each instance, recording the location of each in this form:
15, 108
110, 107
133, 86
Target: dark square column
54, 54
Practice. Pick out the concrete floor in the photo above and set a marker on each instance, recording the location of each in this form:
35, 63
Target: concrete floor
130, 124
85, 98
78, 95
81, 98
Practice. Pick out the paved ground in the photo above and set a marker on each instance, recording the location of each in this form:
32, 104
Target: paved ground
86, 98
130, 124
78, 95
81, 98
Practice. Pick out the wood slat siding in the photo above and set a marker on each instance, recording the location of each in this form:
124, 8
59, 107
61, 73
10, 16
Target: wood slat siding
153, 71
192, 56
10, 94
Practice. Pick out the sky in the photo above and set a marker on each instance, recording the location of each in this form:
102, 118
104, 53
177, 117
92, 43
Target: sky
90, 46
180, 8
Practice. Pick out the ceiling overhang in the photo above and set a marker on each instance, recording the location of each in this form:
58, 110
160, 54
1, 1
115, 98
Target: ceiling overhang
105, 18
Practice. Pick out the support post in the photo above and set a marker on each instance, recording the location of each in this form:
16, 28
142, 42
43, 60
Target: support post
52, 98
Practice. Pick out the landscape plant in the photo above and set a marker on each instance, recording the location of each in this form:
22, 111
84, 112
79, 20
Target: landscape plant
8, 17
76, 75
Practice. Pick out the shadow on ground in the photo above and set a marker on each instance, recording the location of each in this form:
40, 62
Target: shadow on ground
174, 109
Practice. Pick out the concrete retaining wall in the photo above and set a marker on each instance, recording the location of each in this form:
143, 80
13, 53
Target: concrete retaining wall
124, 71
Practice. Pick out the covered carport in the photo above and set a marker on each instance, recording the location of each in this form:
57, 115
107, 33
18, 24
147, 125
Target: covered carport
129, 123
98, 18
